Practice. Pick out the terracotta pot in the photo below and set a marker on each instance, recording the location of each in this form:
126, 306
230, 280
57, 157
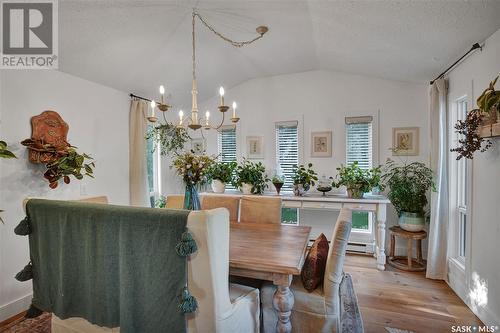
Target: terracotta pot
218, 186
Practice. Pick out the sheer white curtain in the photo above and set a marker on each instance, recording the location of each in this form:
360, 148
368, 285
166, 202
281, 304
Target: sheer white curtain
438, 240
138, 174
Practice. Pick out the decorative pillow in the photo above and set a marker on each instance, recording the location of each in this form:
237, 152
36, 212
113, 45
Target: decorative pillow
314, 267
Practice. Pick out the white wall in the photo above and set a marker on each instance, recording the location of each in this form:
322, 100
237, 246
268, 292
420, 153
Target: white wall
470, 78
98, 125
320, 100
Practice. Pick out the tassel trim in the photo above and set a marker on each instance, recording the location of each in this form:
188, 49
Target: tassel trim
23, 228
187, 245
26, 274
188, 303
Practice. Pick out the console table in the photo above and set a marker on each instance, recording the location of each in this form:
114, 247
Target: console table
376, 204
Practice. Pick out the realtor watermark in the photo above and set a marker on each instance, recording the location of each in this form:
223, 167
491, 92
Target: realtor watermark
474, 329
29, 32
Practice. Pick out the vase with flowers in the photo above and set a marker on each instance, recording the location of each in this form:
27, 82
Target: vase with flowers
193, 169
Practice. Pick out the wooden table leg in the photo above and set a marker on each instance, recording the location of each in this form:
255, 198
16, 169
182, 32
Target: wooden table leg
419, 251
283, 304
393, 245
409, 252
381, 216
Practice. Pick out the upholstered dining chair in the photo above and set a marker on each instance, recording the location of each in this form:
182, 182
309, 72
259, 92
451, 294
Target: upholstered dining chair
257, 209
230, 202
175, 201
317, 311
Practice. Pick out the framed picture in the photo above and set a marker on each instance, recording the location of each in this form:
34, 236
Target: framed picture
321, 144
255, 147
405, 141
198, 145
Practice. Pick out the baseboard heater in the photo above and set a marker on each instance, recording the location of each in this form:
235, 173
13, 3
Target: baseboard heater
360, 247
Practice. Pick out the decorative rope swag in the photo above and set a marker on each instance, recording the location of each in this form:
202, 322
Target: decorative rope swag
186, 246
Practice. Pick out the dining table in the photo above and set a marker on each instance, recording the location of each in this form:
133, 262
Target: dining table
273, 252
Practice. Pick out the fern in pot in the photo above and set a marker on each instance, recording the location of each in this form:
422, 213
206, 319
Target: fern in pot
303, 178
358, 181
220, 174
408, 186
251, 178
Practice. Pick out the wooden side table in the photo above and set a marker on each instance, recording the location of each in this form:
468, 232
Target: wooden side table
407, 263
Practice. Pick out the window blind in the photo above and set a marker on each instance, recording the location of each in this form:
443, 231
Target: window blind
226, 146
359, 141
287, 150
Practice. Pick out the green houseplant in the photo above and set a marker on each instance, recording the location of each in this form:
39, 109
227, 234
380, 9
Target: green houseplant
251, 177
70, 164
220, 174
303, 178
408, 185
358, 181
278, 182
168, 137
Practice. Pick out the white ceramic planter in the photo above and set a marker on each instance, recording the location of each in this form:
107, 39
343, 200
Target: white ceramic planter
246, 188
218, 186
411, 222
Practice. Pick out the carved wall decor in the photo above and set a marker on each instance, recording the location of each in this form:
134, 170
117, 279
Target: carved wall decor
48, 137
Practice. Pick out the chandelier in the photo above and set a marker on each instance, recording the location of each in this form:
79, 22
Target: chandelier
194, 121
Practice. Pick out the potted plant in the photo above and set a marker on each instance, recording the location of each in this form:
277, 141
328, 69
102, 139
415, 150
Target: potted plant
278, 182
5, 153
193, 170
303, 178
486, 114
408, 185
71, 163
221, 173
251, 178
357, 181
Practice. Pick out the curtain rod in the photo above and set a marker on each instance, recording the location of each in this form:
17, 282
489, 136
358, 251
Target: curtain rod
473, 48
139, 97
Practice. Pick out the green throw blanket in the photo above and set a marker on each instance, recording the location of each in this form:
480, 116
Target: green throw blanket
112, 265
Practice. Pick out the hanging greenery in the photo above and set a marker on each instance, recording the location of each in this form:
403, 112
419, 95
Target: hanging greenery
486, 113
170, 138
70, 164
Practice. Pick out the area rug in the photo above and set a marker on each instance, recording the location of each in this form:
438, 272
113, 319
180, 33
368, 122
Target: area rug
350, 316
40, 324
397, 330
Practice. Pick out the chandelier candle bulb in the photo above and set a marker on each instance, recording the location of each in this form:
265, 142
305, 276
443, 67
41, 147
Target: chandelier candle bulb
162, 92
153, 106
221, 92
181, 115
207, 116
234, 109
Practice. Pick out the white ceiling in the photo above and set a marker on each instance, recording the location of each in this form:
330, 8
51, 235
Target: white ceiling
135, 46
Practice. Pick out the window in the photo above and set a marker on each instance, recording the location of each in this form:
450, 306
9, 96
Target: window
359, 147
461, 183
226, 146
153, 169
287, 150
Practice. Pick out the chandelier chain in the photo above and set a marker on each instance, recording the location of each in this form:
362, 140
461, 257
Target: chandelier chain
230, 41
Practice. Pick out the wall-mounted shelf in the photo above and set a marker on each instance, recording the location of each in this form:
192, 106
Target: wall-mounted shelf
490, 131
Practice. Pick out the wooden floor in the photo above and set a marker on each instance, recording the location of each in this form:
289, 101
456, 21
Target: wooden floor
404, 300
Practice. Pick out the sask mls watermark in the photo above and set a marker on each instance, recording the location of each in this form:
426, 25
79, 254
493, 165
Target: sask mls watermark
29, 34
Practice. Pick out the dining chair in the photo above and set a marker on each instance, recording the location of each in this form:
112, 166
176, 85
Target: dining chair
257, 209
175, 201
230, 202
317, 311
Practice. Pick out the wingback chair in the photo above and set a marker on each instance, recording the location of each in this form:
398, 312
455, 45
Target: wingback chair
258, 209
222, 307
318, 311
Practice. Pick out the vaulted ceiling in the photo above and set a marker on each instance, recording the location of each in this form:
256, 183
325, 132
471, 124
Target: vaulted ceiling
135, 46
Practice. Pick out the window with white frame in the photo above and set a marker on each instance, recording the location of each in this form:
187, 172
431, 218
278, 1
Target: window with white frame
226, 146
287, 150
460, 184
359, 148
153, 167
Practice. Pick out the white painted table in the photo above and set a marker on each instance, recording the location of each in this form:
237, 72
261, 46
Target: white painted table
376, 204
